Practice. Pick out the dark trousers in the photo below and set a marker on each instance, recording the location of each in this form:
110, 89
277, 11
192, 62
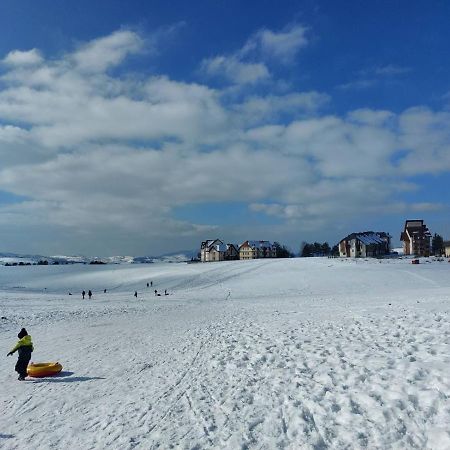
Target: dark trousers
22, 364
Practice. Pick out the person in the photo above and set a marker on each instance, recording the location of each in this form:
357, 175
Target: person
24, 347
83, 294
156, 292
165, 292
151, 283
147, 284
135, 294
89, 294
104, 291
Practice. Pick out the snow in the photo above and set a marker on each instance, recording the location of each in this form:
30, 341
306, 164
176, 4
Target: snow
310, 353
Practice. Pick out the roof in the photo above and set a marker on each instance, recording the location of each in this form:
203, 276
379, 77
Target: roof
220, 247
413, 223
257, 244
368, 237
371, 238
209, 243
415, 226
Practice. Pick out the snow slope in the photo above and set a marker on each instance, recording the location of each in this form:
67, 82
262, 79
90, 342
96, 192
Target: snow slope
305, 353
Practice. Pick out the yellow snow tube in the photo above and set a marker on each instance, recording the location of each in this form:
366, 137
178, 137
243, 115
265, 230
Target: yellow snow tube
38, 370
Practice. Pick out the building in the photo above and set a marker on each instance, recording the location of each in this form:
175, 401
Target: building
257, 249
365, 244
416, 238
216, 250
231, 253
212, 250
447, 248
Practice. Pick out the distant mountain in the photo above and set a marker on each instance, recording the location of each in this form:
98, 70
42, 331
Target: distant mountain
182, 255
14, 258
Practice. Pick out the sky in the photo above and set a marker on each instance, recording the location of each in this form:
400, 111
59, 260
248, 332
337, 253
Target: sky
144, 127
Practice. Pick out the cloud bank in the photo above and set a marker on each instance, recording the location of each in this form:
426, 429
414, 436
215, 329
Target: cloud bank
104, 158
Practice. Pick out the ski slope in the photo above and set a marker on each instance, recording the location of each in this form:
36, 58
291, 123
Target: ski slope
298, 354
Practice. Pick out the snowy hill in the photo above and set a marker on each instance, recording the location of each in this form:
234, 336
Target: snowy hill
301, 353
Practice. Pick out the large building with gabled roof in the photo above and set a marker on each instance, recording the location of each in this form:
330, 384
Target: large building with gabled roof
216, 250
416, 238
365, 244
257, 249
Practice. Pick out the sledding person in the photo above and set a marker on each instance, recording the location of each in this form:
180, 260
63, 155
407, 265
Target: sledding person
24, 347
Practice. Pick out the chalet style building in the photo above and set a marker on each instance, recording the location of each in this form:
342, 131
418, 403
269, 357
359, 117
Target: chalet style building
216, 250
416, 238
447, 248
257, 249
365, 244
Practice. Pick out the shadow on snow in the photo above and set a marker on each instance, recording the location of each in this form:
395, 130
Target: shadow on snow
65, 377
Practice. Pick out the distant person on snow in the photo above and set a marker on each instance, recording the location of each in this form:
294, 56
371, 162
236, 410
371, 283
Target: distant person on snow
151, 283
156, 292
104, 291
147, 284
83, 294
89, 294
24, 347
135, 294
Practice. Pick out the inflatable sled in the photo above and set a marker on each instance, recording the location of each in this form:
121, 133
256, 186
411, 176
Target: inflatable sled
48, 369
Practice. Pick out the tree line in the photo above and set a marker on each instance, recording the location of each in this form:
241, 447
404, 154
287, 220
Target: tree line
437, 245
317, 249
307, 249
283, 251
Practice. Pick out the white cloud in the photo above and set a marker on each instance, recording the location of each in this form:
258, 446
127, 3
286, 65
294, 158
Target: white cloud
282, 46
69, 108
426, 136
23, 58
371, 117
358, 84
270, 107
249, 65
370, 77
231, 68
100, 54
11, 134
391, 70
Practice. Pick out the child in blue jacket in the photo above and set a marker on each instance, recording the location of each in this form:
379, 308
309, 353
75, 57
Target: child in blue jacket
24, 347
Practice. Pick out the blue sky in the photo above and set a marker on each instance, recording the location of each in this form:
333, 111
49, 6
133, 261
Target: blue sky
145, 127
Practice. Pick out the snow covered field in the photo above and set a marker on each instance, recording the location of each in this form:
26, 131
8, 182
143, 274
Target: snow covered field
301, 354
